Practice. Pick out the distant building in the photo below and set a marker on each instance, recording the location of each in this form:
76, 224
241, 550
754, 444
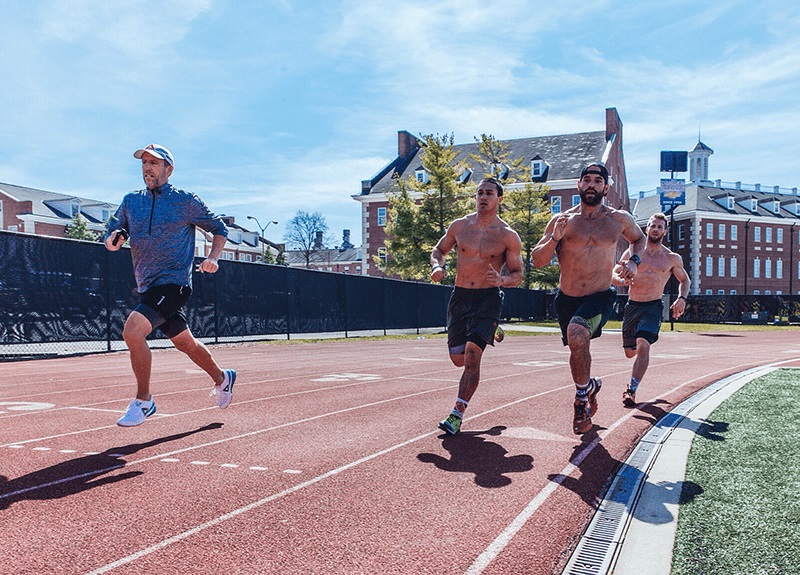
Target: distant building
345, 258
554, 160
734, 238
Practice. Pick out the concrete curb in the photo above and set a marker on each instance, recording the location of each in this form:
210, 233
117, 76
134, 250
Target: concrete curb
633, 529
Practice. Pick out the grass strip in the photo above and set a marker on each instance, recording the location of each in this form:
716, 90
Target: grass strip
746, 520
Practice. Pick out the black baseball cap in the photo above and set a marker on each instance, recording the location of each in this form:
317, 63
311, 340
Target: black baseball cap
595, 169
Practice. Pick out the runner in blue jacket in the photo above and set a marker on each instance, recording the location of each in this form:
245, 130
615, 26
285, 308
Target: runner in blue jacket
160, 223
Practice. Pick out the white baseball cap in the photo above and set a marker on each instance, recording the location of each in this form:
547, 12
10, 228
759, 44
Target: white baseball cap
157, 151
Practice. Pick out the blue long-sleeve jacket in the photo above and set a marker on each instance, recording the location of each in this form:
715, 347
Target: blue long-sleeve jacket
161, 226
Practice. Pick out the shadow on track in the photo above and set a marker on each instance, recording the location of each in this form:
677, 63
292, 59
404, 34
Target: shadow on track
80, 474
471, 453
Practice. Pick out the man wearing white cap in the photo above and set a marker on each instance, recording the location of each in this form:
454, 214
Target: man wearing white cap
160, 223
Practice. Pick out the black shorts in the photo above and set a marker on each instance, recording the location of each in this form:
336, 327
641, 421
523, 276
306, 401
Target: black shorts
473, 315
641, 319
591, 311
162, 306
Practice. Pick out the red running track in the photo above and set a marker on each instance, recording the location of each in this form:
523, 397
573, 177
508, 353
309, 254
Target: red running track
329, 460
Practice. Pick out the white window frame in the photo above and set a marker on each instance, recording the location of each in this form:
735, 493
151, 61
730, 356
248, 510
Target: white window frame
422, 176
779, 235
768, 235
681, 233
768, 268
709, 266
576, 199
383, 254
721, 232
382, 216
757, 268
734, 232
555, 204
779, 269
709, 231
733, 267
757, 234
537, 168
721, 266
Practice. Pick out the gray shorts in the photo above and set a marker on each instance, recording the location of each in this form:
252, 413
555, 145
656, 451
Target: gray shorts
641, 319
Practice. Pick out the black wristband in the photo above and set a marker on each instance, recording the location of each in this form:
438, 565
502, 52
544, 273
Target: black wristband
437, 266
683, 297
635, 259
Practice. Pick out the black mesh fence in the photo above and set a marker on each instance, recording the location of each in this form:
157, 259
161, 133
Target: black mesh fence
64, 296
60, 296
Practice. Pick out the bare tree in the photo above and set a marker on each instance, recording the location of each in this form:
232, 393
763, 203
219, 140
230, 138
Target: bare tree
306, 233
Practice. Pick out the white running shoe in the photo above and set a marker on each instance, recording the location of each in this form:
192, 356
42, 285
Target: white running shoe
137, 412
224, 391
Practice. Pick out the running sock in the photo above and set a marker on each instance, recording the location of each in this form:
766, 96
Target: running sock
634, 383
582, 391
461, 407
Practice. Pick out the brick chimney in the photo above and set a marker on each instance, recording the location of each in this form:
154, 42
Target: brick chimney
406, 143
318, 241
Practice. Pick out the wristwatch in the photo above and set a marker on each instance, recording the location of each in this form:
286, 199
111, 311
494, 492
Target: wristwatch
635, 259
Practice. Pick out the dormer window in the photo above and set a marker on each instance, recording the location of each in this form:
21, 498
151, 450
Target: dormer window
537, 168
465, 176
797, 209
725, 201
753, 205
74, 209
502, 171
422, 176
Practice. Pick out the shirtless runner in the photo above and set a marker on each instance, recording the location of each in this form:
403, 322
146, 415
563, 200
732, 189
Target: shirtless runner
642, 319
488, 259
585, 240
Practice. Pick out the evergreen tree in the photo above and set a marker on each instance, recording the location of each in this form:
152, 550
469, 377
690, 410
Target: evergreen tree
78, 229
525, 207
420, 211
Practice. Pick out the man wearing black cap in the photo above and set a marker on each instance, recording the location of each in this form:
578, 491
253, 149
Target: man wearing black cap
584, 239
160, 222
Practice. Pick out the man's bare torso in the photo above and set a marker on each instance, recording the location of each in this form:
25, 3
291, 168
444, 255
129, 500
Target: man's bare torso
653, 274
587, 252
479, 246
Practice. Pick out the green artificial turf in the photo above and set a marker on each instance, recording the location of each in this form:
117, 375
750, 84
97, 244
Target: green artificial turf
746, 520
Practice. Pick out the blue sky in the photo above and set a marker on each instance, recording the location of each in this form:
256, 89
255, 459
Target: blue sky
271, 107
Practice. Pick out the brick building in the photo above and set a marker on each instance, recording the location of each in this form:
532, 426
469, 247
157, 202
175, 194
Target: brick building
554, 160
734, 238
43, 213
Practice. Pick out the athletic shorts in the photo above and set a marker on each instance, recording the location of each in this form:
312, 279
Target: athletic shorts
591, 311
162, 306
641, 319
473, 315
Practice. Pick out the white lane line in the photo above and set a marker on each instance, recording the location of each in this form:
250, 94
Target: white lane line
161, 456
504, 538
256, 504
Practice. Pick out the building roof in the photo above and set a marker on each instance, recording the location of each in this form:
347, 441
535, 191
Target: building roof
566, 155
702, 147
324, 256
713, 199
46, 204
